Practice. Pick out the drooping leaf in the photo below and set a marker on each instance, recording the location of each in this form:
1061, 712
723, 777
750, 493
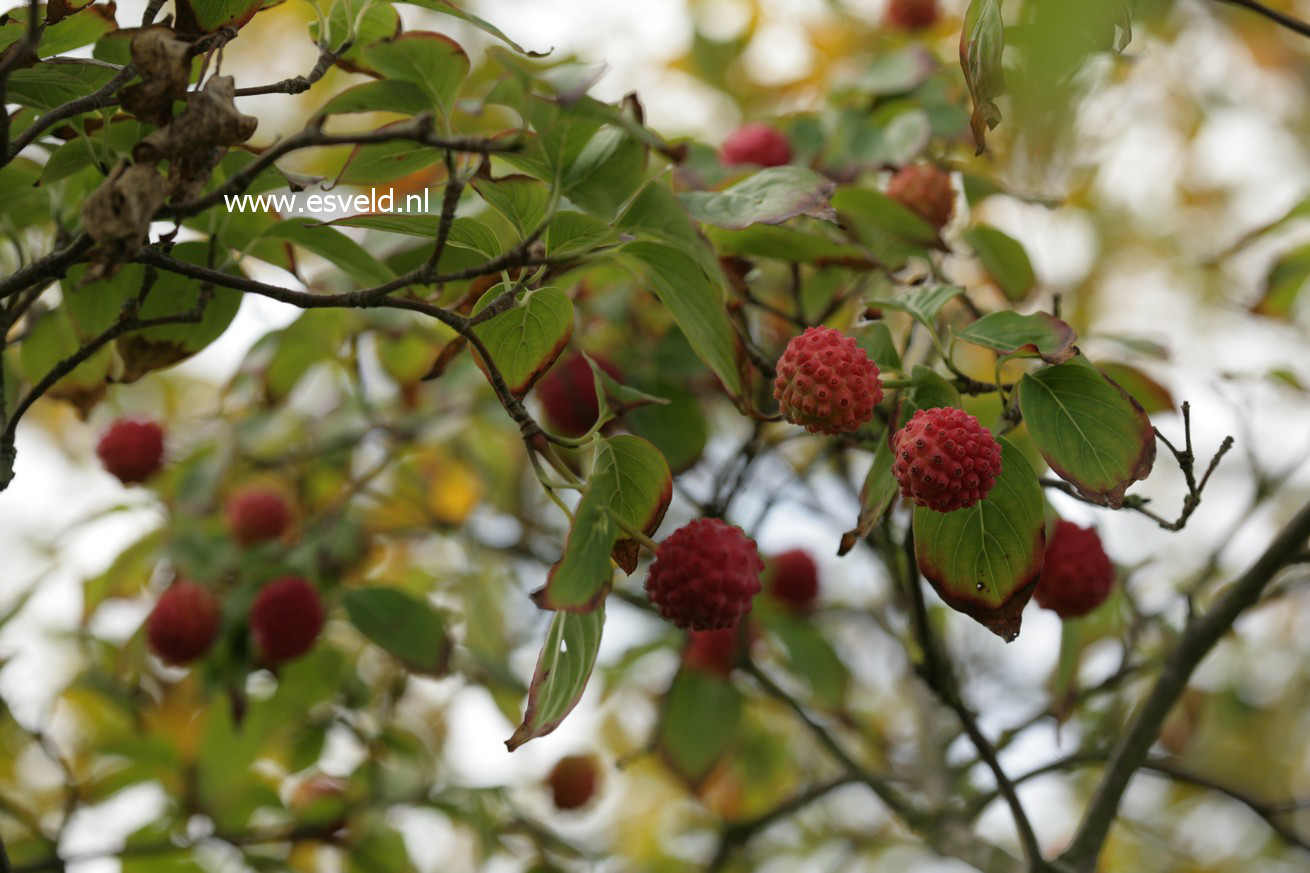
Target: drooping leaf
408, 628
985, 560
527, 338
923, 302
770, 196
1153, 396
876, 496
481, 24
563, 668
631, 482
699, 722
1091, 432
1040, 334
432, 61
1005, 260
522, 200
383, 95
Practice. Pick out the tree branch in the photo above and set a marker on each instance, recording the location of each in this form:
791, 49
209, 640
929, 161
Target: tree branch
1295, 25
1201, 635
98, 99
300, 84
51, 267
736, 834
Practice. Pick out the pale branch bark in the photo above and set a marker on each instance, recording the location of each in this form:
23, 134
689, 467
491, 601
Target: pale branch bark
98, 99
1282, 19
1198, 639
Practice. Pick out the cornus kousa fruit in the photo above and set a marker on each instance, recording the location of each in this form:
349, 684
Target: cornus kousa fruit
255, 514
826, 383
705, 575
792, 578
944, 459
573, 781
912, 14
926, 190
756, 143
285, 619
183, 624
1077, 574
132, 450
568, 395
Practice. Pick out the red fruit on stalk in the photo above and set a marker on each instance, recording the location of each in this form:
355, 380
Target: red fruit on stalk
826, 383
755, 143
944, 459
131, 449
926, 190
184, 623
255, 514
705, 575
285, 619
912, 14
713, 651
1077, 574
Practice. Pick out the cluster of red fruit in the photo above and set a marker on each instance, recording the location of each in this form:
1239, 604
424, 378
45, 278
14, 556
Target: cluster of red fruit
286, 615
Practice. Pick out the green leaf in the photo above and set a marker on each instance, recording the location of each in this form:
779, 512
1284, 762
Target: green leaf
876, 495
608, 171
573, 233
77, 31
376, 163
335, 247
522, 200
985, 560
386, 95
1284, 285
875, 214
363, 24
45, 86
788, 244
630, 482
810, 654
923, 302
408, 628
877, 342
432, 61
1153, 396
982, 44
1004, 259
207, 16
696, 302
311, 339
1090, 431
699, 722
678, 429
770, 196
1040, 334
525, 340
565, 664
485, 26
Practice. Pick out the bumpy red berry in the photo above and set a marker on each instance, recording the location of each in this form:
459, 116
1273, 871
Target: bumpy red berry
132, 450
285, 619
705, 575
792, 578
912, 14
826, 383
183, 624
926, 190
255, 514
756, 143
944, 459
568, 395
1077, 574
573, 781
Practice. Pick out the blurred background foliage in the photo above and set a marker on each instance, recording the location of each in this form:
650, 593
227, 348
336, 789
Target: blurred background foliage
1151, 162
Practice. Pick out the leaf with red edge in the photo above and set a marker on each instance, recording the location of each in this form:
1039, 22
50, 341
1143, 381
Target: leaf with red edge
1038, 335
985, 560
207, 16
563, 668
1091, 432
630, 481
525, 339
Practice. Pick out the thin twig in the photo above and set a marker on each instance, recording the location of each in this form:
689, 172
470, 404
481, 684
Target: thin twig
1295, 25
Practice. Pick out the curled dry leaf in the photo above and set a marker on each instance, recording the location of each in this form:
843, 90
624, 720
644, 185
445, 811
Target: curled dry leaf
194, 142
162, 60
117, 214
